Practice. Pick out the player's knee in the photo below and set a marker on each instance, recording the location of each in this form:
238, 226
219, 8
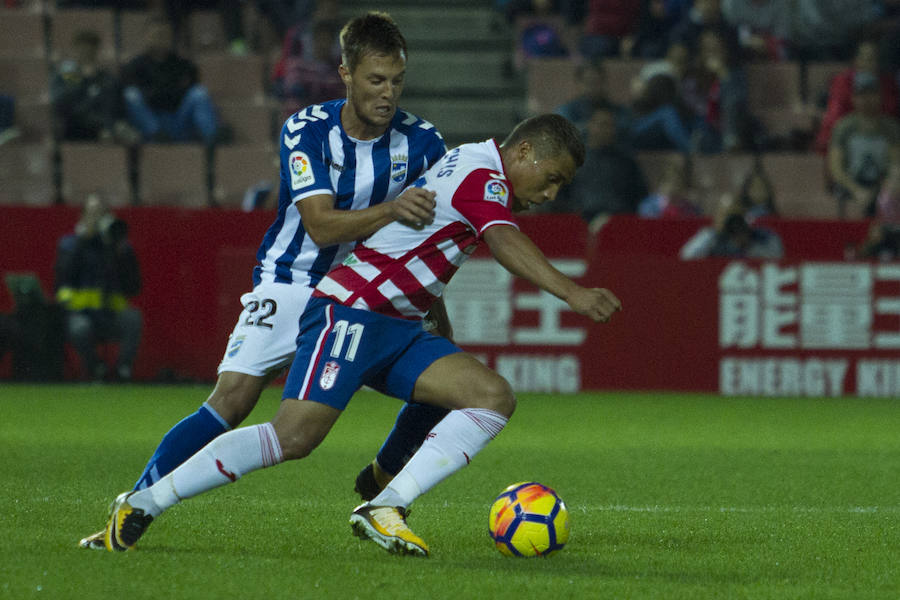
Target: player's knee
495, 393
296, 446
234, 397
296, 442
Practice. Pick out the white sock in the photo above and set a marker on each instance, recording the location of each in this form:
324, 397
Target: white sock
448, 448
223, 460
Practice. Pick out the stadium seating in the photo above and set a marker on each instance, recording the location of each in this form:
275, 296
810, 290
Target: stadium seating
772, 85
90, 167
68, 22
26, 78
26, 175
784, 96
21, 34
132, 25
800, 188
619, 77
818, 78
239, 167
206, 31
34, 120
173, 175
551, 81
232, 78
250, 122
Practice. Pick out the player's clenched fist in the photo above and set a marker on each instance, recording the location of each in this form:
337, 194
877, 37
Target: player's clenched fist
414, 207
599, 304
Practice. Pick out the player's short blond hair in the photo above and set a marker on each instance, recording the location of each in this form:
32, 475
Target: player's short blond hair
374, 32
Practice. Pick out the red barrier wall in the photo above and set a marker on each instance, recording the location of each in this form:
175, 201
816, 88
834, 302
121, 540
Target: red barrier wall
197, 263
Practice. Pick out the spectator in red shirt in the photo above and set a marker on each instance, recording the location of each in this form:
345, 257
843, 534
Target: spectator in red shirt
840, 92
606, 23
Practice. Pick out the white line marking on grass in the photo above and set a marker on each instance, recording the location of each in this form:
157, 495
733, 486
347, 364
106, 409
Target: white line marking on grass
865, 510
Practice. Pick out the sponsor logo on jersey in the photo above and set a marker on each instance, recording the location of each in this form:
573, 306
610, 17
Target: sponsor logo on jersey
301, 170
235, 346
329, 375
496, 191
398, 168
334, 165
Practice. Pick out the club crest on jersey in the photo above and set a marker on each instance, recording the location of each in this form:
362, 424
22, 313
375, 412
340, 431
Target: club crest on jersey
398, 168
301, 170
496, 191
329, 375
235, 346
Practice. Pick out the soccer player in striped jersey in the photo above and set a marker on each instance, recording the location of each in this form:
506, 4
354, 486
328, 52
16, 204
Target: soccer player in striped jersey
363, 327
344, 164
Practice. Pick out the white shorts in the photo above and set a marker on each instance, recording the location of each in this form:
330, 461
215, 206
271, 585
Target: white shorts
265, 336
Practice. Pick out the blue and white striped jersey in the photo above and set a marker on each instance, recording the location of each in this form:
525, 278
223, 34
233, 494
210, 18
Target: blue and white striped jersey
318, 157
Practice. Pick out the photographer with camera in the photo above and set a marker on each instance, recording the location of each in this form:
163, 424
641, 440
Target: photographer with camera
732, 236
96, 273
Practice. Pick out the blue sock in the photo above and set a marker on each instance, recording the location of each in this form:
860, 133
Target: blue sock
181, 442
413, 423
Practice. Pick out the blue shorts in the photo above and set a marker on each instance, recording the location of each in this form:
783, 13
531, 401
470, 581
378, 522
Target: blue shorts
340, 349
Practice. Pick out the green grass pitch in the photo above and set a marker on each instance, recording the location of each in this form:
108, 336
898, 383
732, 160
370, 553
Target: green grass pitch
671, 496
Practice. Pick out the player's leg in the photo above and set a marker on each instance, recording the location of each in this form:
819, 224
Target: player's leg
480, 403
260, 346
413, 423
262, 343
234, 396
298, 427
231, 401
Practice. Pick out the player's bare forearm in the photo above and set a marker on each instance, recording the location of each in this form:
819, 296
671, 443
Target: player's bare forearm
521, 257
327, 225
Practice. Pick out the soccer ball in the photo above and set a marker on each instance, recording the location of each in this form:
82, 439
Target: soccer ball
529, 519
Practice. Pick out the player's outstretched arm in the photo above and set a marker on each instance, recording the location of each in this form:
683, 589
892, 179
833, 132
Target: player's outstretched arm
328, 225
521, 257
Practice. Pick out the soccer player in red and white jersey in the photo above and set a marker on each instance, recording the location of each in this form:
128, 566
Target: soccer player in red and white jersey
363, 327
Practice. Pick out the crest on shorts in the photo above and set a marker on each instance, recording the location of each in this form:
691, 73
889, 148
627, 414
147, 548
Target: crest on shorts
235, 345
329, 375
398, 168
496, 191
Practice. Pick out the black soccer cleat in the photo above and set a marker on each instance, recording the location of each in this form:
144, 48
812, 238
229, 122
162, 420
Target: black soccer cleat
126, 524
366, 485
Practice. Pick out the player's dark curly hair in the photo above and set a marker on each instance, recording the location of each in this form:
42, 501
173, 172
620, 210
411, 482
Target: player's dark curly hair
550, 134
373, 32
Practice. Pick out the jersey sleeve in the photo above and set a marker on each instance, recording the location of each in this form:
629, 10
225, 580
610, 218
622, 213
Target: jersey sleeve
483, 199
303, 166
436, 149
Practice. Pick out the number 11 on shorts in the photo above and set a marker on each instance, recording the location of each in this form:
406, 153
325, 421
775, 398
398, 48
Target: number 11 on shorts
342, 329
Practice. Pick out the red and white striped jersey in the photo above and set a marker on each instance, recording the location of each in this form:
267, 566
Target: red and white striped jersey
400, 271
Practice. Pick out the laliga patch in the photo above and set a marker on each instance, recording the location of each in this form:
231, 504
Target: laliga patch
301, 170
496, 191
235, 346
329, 375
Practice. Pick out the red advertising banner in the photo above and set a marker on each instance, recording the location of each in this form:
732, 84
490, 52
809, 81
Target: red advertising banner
811, 325
793, 328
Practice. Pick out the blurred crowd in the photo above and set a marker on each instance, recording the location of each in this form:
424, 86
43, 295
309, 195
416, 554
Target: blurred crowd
690, 98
